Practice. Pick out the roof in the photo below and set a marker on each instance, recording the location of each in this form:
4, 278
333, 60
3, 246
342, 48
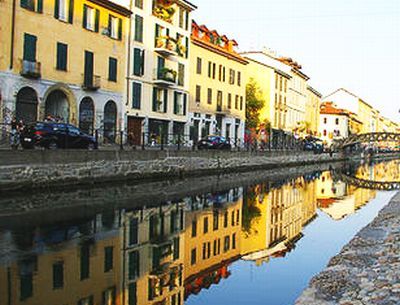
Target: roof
350, 93
284, 74
330, 108
215, 42
314, 91
112, 6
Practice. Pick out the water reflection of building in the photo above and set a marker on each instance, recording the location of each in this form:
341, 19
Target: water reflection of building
72, 264
337, 199
282, 213
212, 238
153, 255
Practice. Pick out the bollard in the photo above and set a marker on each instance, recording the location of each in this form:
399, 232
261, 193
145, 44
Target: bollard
121, 146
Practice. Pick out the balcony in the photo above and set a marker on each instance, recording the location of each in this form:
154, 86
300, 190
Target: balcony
30, 69
164, 10
165, 77
224, 110
91, 83
165, 46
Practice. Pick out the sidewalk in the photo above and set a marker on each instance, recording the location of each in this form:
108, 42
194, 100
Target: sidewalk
367, 271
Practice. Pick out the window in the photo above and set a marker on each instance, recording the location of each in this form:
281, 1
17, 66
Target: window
26, 286
112, 69
198, 94
220, 73
223, 74
139, 4
226, 219
136, 95
209, 96
114, 27
325, 120
62, 55
85, 262
193, 256
181, 17
276, 81
32, 5
231, 76
133, 231
215, 220
109, 296
234, 241
219, 99
58, 275
86, 301
209, 69
91, 18
325, 132
181, 74
233, 218
337, 121
133, 265
138, 28
132, 294
180, 103
138, 62
204, 250
64, 10
199, 65
239, 79
176, 248
215, 248
108, 258
241, 103
229, 100
205, 225
237, 102
194, 228
226, 243
160, 100
30, 47
214, 68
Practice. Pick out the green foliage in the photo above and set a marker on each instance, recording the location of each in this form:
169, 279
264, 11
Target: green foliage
250, 211
254, 104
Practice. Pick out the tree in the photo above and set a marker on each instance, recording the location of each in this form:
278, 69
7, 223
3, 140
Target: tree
254, 104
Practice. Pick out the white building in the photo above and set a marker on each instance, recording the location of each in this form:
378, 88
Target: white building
334, 123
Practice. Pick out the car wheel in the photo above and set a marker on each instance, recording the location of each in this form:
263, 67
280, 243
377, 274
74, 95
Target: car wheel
52, 145
91, 146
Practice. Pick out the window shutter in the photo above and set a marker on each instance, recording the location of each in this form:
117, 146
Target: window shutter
184, 103
157, 33
165, 100
39, 6
119, 28
142, 66
30, 47
175, 102
24, 3
62, 56
71, 11
56, 8
187, 47
187, 21
96, 22
109, 25
154, 99
136, 95
84, 19
137, 62
112, 69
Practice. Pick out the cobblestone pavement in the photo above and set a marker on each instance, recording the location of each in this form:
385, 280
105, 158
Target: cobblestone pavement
367, 271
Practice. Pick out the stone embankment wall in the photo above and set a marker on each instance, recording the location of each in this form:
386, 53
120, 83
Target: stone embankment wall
44, 169
367, 271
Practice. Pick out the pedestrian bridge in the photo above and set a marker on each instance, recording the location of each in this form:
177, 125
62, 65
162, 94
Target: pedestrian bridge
370, 184
372, 137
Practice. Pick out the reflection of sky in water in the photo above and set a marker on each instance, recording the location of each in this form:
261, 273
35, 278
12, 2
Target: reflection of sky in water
281, 280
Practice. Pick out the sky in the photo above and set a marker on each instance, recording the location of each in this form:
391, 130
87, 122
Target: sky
352, 44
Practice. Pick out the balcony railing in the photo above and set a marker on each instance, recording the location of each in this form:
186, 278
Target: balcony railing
222, 109
166, 46
91, 83
165, 77
30, 69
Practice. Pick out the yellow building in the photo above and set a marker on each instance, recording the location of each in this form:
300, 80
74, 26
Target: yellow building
312, 110
212, 237
217, 86
69, 261
64, 59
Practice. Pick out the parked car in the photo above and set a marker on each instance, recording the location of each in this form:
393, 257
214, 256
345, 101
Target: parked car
53, 135
214, 142
314, 145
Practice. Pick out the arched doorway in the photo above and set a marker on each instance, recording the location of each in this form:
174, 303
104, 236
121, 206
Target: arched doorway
110, 121
57, 106
86, 115
26, 105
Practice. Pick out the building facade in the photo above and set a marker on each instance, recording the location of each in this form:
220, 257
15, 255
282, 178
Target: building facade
334, 123
158, 74
312, 110
217, 86
46, 71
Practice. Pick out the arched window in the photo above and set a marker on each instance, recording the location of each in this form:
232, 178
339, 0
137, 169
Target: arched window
26, 105
86, 115
110, 121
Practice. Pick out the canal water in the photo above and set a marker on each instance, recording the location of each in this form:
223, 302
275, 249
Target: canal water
257, 244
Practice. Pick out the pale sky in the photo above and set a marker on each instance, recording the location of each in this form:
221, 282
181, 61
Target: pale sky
354, 44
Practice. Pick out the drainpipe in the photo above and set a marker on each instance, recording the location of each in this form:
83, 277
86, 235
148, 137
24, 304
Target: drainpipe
14, 4
128, 64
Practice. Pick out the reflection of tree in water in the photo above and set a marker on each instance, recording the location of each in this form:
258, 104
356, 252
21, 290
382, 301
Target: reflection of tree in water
250, 211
